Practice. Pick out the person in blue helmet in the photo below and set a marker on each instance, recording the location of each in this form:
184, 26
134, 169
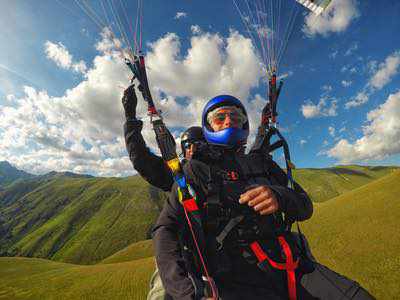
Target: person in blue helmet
246, 210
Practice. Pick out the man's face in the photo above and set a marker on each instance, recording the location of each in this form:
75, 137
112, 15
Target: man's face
189, 151
227, 117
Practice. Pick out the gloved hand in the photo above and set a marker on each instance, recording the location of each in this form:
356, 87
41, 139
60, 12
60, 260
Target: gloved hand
129, 101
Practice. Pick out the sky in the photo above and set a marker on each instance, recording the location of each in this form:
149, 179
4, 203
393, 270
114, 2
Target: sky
62, 78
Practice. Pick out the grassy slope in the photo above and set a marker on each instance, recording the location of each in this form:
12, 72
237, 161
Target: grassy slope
325, 184
33, 278
134, 251
79, 220
357, 235
17, 190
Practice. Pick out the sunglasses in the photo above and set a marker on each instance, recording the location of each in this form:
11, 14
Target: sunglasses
187, 144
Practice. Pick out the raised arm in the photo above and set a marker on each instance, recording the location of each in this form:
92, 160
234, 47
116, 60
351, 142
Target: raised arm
150, 166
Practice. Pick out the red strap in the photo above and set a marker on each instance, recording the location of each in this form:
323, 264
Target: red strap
260, 254
152, 110
290, 265
190, 205
273, 80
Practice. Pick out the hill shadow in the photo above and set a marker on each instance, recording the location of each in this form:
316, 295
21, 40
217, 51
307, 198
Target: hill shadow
345, 171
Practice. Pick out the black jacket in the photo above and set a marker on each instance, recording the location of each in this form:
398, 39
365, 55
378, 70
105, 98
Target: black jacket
150, 166
171, 226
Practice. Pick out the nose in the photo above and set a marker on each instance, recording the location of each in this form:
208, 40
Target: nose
228, 121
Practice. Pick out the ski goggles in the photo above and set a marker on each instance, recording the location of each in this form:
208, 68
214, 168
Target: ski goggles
219, 115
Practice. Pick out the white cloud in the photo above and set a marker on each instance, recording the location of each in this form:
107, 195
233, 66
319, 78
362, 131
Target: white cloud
334, 54
352, 48
180, 15
381, 135
331, 131
327, 88
349, 69
361, 98
10, 97
195, 29
61, 56
214, 66
337, 18
346, 83
382, 74
372, 66
322, 109
386, 71
303, 142
285, 75
353, 70
81, 131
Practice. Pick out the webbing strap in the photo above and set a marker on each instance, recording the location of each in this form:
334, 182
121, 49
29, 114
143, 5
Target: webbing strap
227, 229
290, 265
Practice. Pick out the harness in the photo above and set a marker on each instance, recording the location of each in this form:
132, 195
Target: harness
226, 218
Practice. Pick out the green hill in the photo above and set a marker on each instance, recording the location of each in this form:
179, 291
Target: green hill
74, 219
357, 234
135, 251
33, 278
325, 184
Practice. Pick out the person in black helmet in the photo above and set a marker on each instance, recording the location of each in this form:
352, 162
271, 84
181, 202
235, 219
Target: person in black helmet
150, 166
192, 142
246, 208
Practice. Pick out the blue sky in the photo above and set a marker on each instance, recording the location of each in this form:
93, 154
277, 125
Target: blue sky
61, 81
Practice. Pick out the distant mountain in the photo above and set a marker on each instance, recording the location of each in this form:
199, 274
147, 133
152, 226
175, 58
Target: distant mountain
9, 174
54, 174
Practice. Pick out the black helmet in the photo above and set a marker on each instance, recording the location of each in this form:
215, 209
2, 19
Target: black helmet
190, 136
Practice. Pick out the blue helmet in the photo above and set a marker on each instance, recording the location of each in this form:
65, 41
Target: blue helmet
231, 137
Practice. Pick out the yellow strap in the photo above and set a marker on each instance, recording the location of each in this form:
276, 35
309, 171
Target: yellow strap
174, 165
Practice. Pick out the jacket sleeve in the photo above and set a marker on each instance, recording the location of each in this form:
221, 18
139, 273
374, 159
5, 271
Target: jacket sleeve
170, 262
150, 166
295, 203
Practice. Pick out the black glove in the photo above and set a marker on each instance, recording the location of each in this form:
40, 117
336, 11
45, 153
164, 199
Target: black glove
129, 101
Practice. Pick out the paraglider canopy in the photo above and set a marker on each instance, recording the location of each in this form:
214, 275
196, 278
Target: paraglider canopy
270, 24
316, 6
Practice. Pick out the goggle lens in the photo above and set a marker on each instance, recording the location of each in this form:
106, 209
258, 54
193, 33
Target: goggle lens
220, 117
